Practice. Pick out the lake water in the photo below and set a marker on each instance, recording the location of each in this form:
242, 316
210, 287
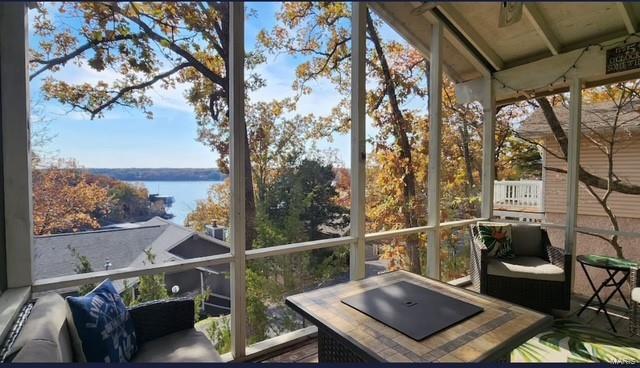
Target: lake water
184, 193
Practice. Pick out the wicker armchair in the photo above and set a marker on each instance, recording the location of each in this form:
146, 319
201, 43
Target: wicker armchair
634, 313
538, 277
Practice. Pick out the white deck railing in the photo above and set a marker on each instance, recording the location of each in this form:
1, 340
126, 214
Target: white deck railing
519, 195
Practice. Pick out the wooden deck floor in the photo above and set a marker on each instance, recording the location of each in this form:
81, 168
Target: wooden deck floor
307, 352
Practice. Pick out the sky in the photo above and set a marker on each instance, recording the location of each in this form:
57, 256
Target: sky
124, 137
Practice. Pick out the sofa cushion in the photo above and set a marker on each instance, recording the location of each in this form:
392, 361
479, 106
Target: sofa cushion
45, 333
496, 238
526, 240
179, 347
38, 351
104, 325
533, 268
635, 295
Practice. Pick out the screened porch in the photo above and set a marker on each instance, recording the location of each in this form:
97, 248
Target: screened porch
495, 56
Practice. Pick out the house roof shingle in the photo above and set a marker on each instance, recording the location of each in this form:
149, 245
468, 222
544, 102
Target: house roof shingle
598, 116
124, 247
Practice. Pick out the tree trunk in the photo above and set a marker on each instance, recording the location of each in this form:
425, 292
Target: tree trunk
400, 133
468, 159
590, 181
584, 176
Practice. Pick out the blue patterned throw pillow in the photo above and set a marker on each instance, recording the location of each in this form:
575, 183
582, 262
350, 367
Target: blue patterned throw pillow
104, 325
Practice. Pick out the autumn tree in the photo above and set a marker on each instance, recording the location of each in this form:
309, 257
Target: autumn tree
397, 75
65, 200
149, 45
275, 136
321, 32
129, 202
214, 208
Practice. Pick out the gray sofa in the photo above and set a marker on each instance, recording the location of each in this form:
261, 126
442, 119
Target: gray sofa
164, 331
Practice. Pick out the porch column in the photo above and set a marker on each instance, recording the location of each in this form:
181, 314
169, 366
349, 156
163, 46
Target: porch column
17, 229
358, 148
237, 174
488, 147
435, 141
573, 165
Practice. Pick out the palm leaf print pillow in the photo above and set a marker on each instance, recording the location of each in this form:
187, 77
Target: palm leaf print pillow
496, 238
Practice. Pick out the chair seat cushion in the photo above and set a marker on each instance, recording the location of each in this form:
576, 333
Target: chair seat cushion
179, 347
635, 295
532, 268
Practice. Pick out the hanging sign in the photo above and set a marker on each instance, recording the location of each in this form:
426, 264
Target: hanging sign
623, 58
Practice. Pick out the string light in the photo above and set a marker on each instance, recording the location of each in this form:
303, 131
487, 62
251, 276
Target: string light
574, 66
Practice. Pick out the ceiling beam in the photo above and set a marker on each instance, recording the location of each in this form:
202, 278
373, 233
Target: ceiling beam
425, 7
533, 13
471, 35
628, 16
534, 79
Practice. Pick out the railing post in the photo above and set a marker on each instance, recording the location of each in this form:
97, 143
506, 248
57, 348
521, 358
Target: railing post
238, 179
488, 148
435, 142
573, 166
17, 229
358, 147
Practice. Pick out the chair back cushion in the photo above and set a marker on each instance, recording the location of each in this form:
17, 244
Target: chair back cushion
496, 238
104, 325
45, 335
527, 240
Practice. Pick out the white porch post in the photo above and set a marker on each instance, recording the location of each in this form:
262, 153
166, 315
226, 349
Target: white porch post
573, 165
237, 160
488, 147
435, 141
16, 140
358, 153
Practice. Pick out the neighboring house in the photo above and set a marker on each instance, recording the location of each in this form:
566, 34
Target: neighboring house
124, 245
596, 123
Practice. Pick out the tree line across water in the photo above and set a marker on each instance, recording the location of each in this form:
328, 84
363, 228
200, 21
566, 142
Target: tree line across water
160, 174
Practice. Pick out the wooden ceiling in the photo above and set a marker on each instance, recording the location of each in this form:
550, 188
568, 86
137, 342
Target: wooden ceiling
526, 57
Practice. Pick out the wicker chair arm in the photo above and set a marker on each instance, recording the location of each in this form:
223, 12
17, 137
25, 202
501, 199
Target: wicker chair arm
155, 319
479, 260
555, 256
634, 282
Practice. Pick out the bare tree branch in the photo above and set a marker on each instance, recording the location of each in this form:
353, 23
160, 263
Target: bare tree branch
586, 177
203, 69
115, 99
48, 64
